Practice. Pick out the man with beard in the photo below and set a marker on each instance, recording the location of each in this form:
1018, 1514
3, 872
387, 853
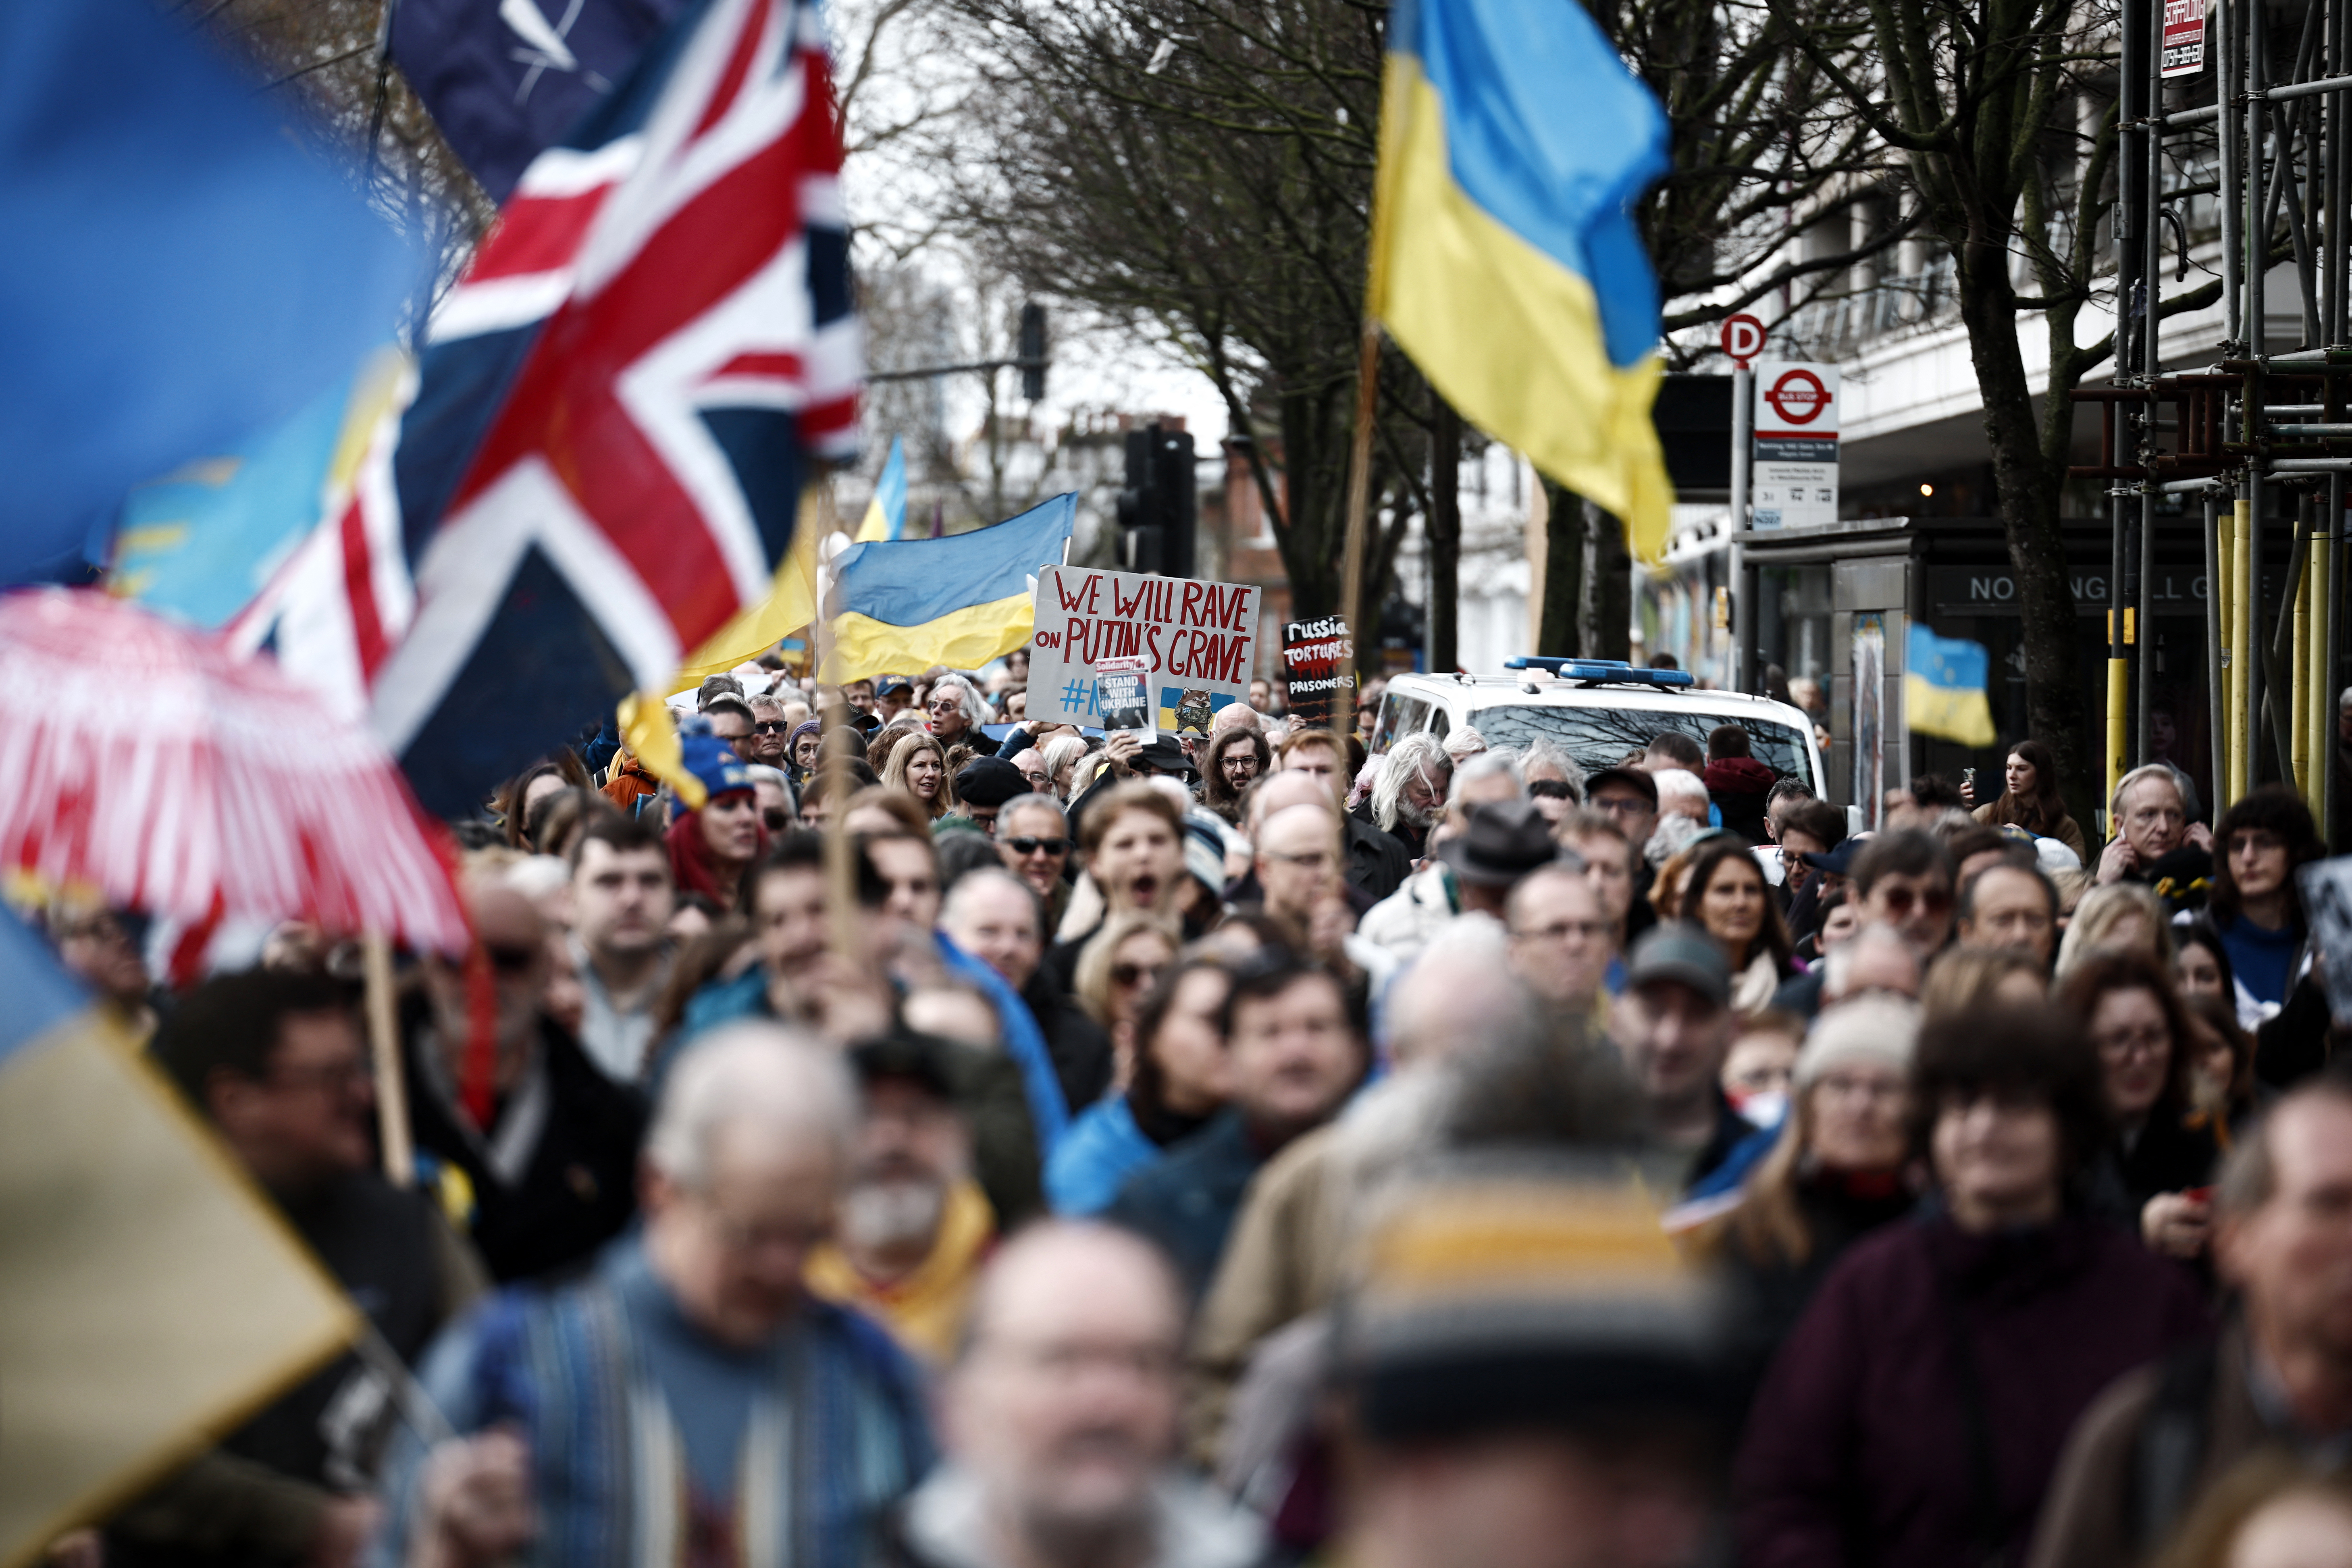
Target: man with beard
913, 1224
1410, 795
1060, 1421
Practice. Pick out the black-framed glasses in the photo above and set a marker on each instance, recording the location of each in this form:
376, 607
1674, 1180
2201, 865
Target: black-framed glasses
1027, 846
772, 727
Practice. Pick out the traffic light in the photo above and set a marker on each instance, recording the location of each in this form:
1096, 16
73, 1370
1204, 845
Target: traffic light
1159, 510
1033, 351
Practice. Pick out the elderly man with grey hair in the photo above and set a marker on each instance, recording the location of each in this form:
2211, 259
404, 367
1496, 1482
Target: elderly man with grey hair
687, 1400
2156, 841
1409, 794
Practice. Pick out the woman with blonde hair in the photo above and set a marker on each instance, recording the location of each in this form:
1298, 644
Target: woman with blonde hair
1114, 970
2122, 917
919, 766
1965, 979
1840, 1170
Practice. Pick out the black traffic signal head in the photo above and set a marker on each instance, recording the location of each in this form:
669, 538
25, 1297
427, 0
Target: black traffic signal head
1033, 351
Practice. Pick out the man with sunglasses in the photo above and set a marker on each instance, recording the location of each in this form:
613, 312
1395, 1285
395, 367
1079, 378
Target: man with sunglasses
1033, 838
1902, 880
550, 1174
274, 1061
770, 730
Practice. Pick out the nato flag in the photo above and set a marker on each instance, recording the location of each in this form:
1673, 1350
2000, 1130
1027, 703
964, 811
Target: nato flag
505, 81
177, 271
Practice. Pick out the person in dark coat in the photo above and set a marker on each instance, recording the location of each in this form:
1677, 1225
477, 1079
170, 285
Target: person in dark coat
2124, 1004
1737, 782
551, 1174
1915, 1414
1296, 1049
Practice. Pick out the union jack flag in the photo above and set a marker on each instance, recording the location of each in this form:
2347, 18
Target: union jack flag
605, 455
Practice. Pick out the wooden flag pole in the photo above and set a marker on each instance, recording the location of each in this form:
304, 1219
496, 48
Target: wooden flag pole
383, 1045
840, 854
1360, 498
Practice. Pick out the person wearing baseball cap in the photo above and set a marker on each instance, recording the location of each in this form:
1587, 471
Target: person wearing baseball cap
1674, 1025
711, 848
893, 695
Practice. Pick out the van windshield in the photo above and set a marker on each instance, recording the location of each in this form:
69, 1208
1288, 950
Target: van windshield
1601, 737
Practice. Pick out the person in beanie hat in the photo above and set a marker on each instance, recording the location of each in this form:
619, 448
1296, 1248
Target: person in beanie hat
711, 848
1532, 1375
983, 785
1840, 1168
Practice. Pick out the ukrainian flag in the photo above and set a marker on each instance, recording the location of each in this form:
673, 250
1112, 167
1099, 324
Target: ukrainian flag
153, 1300
1943, 688
885, 514
1504, 258
960, 600
791, 604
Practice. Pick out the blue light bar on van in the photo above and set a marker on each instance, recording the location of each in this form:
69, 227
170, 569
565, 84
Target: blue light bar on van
1610, 669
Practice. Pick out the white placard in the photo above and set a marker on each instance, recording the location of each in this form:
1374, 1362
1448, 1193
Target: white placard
1200, 637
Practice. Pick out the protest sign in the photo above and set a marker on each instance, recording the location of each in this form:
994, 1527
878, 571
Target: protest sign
2327, 889
1121, 702
1319, 671
1198, 641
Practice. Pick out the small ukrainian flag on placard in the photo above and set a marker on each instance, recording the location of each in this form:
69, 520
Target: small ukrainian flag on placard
1943, 688
1182, 709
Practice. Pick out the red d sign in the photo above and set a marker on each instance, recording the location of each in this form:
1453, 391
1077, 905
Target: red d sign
1798, 398
1743, 339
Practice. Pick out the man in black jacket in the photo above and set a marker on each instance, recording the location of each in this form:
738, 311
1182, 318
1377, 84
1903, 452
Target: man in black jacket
550, 1174
275, 1062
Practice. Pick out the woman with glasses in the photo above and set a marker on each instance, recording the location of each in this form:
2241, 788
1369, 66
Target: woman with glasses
919, 766
1916, 1414
1725, 892
2124, 1004
1841, 1170
1174, 1070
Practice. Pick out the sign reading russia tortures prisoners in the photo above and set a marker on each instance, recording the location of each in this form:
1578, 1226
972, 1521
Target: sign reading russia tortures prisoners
1201, 638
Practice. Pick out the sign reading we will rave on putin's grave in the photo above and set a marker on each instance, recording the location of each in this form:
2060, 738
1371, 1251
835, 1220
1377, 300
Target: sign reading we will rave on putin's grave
1200, 637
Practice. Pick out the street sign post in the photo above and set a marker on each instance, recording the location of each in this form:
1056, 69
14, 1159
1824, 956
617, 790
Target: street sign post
1796, 471
1743, 340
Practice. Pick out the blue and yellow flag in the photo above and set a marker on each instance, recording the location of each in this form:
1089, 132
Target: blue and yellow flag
885, 514
903, 606
1504, 258
153, 1300
1943, 688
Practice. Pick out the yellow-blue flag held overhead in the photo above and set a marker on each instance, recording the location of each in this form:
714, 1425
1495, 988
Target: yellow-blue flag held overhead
898, 607
1943, 688
1504, 258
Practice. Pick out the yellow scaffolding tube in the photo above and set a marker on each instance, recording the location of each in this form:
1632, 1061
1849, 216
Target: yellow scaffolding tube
2241, 643
2319, 737
2296, 710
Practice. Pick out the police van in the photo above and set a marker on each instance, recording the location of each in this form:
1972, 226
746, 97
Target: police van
1598, 710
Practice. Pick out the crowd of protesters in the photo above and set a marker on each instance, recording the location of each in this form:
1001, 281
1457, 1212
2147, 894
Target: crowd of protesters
1244, 1148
